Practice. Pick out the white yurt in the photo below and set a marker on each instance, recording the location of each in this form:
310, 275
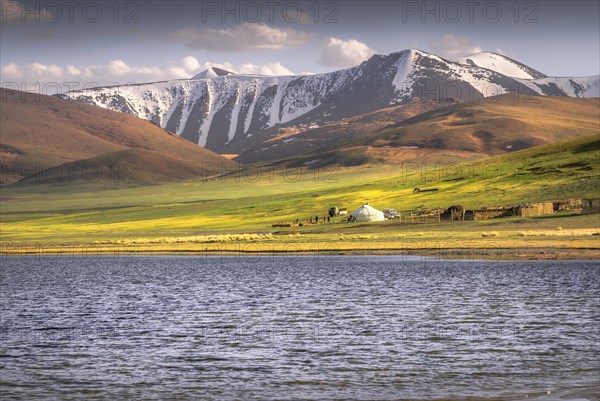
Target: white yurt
367, 213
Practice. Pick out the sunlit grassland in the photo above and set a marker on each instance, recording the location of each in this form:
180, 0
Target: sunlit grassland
246, 203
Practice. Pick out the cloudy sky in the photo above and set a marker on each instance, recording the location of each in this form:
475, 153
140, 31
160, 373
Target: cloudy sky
79, 43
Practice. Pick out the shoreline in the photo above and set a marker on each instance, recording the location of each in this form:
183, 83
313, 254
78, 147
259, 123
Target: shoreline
468, 254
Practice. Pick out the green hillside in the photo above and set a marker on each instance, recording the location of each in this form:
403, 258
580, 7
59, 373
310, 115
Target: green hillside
247, 203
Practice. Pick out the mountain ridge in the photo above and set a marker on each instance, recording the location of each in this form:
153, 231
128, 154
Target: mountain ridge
216, 112
461, 131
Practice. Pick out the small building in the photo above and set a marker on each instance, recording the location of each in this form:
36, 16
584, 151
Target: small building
590, 205
367, 213
524, 210
535, 209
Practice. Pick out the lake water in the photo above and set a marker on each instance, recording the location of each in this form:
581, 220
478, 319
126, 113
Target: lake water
296, 328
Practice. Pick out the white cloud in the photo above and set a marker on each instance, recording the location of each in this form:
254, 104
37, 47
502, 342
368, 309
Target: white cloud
118, 72
273, 68
344, 53
453, 47
115, 71
244, 37
190, 63
267, 69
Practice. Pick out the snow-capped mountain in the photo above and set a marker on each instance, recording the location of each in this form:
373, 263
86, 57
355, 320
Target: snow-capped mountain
533, 79
502, 64
212, 72
218, 107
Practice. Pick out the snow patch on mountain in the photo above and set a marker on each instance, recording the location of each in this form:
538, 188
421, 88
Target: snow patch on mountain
248, 120
501, 64
402, 82
205, 126
588, 87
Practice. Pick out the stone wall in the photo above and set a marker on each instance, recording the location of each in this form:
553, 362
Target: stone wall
566, 205
536, 209
524, 210
490, 213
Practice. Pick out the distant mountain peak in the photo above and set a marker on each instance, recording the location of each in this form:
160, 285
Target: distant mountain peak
408, 51
212, 72
501, 64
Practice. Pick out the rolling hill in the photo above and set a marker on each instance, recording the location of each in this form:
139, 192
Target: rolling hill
282, 143
50, 139
466, 131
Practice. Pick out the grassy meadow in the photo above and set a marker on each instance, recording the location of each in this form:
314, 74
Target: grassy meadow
238, 209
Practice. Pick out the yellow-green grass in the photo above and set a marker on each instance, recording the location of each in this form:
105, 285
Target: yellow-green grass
334, 239
88, 214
